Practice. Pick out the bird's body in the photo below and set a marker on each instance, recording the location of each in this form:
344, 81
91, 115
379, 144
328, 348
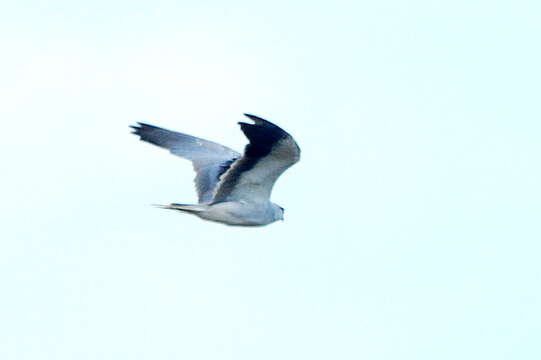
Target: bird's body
232, 189
233, 212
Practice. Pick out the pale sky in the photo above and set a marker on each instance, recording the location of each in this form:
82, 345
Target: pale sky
412, 226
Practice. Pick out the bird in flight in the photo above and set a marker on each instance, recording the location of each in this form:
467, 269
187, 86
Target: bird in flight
232, 189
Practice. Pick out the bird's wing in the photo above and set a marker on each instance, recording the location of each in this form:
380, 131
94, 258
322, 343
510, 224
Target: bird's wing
210, 160
269, 153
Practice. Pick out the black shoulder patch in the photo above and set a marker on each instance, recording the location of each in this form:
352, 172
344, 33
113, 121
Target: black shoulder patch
262, 135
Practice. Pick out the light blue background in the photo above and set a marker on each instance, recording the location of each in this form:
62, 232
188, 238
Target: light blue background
412, 222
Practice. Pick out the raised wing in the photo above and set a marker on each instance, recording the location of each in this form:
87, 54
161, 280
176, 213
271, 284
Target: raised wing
269, 153
210, 160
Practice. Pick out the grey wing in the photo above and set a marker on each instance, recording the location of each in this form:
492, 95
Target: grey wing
210, 160
270, 152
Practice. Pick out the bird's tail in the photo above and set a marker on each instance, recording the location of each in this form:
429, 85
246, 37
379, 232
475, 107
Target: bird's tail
183, 207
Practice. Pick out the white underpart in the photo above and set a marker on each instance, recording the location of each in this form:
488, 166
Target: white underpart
241, 214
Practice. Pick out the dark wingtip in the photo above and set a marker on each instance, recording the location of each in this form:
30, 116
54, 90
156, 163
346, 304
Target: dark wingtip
141, 127
142, 124
260, 122
136, 130
254, 118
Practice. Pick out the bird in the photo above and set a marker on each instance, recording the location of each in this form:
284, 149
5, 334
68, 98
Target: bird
232, 189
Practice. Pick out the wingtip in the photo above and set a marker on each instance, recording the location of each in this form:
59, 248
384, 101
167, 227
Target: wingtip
254, 118
136, 130
140, 128
142, 124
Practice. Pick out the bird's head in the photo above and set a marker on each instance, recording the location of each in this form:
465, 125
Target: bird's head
278, 212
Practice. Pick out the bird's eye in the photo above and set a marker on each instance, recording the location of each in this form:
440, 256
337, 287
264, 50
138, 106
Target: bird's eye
281, 208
